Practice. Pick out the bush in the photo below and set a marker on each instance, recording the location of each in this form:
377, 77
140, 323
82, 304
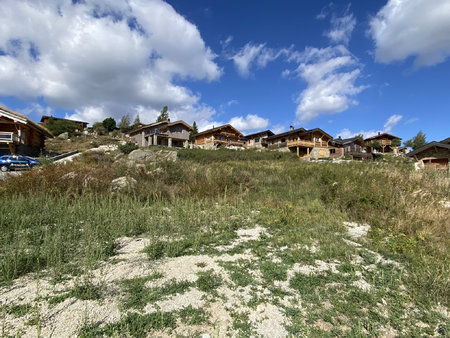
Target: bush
128, 147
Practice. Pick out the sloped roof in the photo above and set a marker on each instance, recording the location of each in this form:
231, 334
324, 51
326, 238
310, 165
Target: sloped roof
301, 131
343, 141
24, 120
381, 136
154, 124
219, 128
269, 132
447, 140
428, 146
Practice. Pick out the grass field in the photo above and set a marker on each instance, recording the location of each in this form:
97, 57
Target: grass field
263, 232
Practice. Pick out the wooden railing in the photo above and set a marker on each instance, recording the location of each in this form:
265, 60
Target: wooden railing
277, 145
229, 143
8, 137
305, 143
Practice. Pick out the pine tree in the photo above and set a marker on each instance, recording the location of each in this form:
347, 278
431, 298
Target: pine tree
124, 124
137, 122
417, 141
193, 132
164, 114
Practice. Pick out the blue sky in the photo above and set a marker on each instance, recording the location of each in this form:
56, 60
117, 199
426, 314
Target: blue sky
345, 67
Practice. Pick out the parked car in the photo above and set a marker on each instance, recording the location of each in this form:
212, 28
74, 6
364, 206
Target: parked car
16, 162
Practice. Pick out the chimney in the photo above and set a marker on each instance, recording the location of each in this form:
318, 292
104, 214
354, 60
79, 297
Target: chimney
291, 128
379, 133
340, 137
168, 120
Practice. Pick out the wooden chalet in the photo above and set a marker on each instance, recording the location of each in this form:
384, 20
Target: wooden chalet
81, 125
433, 155
20, 135
353, 146
257, 140
163, 133
225, 135
384, 140
312, 143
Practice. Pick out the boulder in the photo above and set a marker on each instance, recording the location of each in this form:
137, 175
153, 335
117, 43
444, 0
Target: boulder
103, 149
151, 156
140, 155
123, 182
64, 136
166, 155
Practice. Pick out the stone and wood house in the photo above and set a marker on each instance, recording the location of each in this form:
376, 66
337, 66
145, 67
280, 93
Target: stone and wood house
384, 141
164, 133
433, 155
353, 146
20, 135
312, 143
257, 140
225, 136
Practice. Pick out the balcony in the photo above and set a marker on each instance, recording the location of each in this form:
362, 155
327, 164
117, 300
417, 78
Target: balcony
305, 143
8, 137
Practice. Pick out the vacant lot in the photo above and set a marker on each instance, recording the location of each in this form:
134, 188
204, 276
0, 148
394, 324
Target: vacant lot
225, 243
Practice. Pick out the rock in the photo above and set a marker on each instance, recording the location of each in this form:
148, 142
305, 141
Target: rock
64, 136
166, 155
155, 172
88, 180
139, 155
103, 149
148, 155
69, 176
123, 182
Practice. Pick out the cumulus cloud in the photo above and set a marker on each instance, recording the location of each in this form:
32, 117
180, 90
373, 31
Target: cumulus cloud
103, 58
390, 123
255, 54
330, 74
249, 122
417, 28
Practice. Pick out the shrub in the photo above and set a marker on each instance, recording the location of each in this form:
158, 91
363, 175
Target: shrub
58, 127
128, 147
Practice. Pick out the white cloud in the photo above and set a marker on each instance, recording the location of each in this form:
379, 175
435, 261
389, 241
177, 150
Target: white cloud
390, 123
249, 122
258, 54
412, 120
278, 128
103, 58
341, 28
330, 74
418, 28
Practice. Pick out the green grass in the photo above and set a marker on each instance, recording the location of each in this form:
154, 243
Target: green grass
133, 325
137, 295
198, 202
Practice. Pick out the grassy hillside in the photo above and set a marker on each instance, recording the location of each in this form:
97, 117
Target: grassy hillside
302, 261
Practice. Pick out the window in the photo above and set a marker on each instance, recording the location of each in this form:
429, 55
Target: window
332, 151
257, 140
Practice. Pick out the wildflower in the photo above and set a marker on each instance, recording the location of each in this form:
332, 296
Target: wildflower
421, 237
402, 235
268, 222
235, 217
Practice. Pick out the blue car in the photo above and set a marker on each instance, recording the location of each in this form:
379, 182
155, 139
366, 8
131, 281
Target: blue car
16, 162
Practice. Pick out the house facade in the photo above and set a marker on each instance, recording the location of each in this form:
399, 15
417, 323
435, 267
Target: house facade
353, 147
20, 135
164, 133
312, 143
81, 125
384, 141
433, 155
257, 140
225, 135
